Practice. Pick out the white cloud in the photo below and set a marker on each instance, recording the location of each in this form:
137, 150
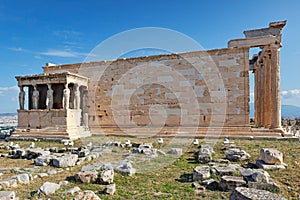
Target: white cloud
63, 53
9, 89
290, 97
16, 49
9, 99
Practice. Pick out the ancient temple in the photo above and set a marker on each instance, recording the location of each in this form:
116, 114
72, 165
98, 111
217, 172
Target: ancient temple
210, 95
57, 106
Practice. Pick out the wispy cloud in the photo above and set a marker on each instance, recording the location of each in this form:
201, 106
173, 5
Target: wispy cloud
63, 53
16, 49
8, 90
66, 33
290, 97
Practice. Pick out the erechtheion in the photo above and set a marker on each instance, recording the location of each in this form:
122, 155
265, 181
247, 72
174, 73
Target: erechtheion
206, 91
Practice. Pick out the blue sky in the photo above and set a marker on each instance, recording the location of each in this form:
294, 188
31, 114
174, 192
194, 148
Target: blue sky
35, 32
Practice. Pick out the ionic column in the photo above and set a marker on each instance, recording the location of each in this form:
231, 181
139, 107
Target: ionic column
275, 84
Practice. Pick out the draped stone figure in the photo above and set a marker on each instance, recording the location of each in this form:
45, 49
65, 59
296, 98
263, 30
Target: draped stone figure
21, 98
77, 98
35, 98
66, 97
49, 99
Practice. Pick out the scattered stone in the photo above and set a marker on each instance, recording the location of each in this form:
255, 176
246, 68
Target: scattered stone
63, 183
93, 167
43, 160
52, 171
9, 182
201, 172
224, 170
22, 178
83, 151
243, 193
261, 164
36, 152
210, 184
110, 189
231, 182
126, 169
222, 161
203, 156
18, 153
41, 175
271, 156
65, 161
207, 148
49, 188
107, 175
271, 186
260, 176
73, 190
86, 195
236, 154
7, 195
86, 176
175, 151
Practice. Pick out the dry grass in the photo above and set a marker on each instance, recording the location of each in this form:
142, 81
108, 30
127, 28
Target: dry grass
169, 181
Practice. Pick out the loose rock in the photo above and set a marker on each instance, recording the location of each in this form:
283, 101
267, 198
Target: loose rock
49, 188
201, 172
87, 195
65, 161
243, 193
271, 156
110, 189
231, 182
86, 177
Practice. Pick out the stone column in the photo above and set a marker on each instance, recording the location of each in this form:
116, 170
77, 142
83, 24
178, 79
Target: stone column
268, 113
21, 97
261, 89
256, 117
66, 97
275, 84
49, 99
35, 98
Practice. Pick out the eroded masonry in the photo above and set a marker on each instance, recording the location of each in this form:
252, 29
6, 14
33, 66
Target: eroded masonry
205, 91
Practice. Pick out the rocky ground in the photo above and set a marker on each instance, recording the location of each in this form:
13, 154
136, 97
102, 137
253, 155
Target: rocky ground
150, 168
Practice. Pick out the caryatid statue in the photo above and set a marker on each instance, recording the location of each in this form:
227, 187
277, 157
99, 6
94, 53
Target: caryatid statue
77, 97
21, 98
66, 97
49, 99
35, 98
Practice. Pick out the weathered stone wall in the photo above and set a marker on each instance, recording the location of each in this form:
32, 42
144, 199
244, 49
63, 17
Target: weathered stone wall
124, 92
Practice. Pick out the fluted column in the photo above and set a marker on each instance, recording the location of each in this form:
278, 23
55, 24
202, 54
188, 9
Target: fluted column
256, 96
268, 112
275, 83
